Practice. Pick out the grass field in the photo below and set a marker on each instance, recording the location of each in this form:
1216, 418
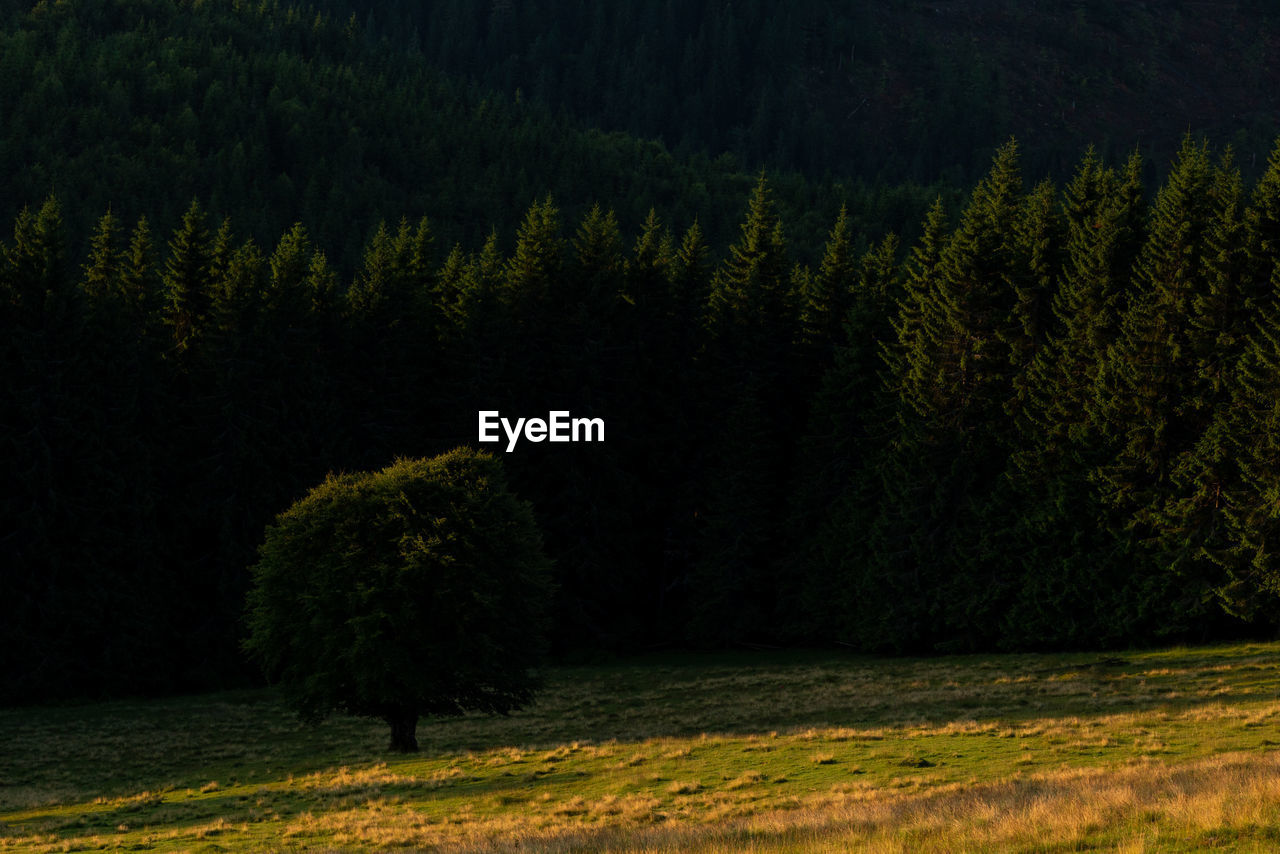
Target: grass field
1170, 750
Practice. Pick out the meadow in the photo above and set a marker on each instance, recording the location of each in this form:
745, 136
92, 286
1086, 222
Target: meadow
1161, 750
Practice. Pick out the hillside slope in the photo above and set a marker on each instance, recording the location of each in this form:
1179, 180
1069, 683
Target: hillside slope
914, 89
274, 114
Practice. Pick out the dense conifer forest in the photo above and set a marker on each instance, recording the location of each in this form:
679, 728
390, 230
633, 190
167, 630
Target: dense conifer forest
253, 244
277, 114
887, 91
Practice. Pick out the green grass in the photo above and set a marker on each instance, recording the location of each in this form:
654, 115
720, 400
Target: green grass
1159, 750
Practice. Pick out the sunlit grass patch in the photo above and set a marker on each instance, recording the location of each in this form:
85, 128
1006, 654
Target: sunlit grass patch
778, 752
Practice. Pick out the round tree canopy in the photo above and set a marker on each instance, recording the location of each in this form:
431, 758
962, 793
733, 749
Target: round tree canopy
420, 589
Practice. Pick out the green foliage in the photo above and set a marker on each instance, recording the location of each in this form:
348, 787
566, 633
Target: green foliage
1077, 576
752, 326
187, 302
922, 569
1042, 739
1048, 425
827, 295
752, 308
420, 589
880, 92
1161, 383
274, 117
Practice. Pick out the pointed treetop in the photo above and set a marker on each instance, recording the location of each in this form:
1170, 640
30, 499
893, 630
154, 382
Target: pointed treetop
598, 243
185, 278
291, 259
103, 266
539, 251
653, 246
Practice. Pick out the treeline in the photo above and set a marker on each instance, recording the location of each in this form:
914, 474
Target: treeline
886, 92
1051, 423
273, 113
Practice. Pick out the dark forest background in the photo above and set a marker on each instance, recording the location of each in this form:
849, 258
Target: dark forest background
919, 388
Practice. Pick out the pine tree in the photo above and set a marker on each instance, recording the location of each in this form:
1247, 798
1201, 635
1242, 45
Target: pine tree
751, 308
1150, 374
238, 297
689, 409
752, 323
1228, 483
1155, 398
597, 245
1057, 387
535, 280
186, 280
651, 322
920, 271
532, 271
828, 294
139, 290
102, 270
958, 366
289, 294
690, 284
951, 371
220, 252
844, 431
1035, 263
650, 269
380, 292
446, 294
589, 345
1190, 520
418, 247
58, 435
1262, 228
848, 403
1077, 584
1248, 584
480, 296
37, 270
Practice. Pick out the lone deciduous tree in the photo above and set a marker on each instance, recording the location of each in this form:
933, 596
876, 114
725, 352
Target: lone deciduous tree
418, 590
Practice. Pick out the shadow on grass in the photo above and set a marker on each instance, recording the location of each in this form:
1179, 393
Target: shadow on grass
249, 745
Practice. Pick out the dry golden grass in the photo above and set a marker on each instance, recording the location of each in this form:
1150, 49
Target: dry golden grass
1168, 750
1223, 801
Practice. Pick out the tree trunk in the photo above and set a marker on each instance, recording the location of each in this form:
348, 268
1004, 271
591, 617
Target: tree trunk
404, 732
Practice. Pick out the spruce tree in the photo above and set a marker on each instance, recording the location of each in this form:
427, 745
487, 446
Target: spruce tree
952, 374
920, 270
37, 268
1155, 396
531, 273
828, 294
1262, 228
419, 243
1077, 584
1150, 379
186, 280
752, 325
650, 268
379, 293
238, 297
101, 272
844, 431
1034, 267
690, 284
1228, 483
751, 308
1248, 581
139, 288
